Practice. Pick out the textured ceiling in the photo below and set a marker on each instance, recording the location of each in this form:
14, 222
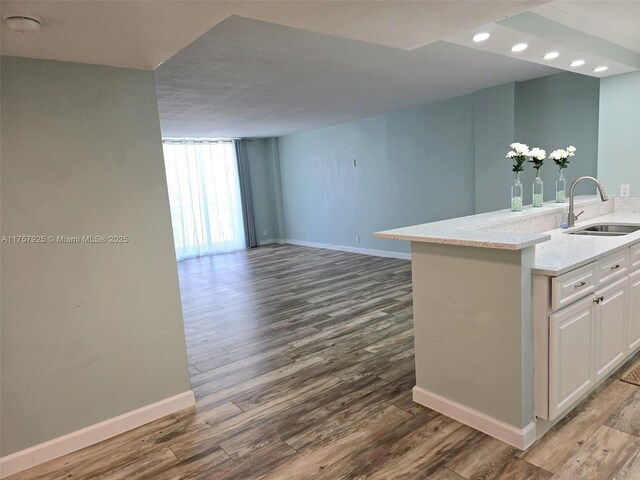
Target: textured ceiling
264, 68
144, 33
246, 78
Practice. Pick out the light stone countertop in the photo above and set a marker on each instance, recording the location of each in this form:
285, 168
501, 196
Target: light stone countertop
486, 229
556, 252
564, 252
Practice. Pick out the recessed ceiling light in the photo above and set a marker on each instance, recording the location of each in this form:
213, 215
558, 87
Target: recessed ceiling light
23, 23
578, 63
551, 55
481, 37
519, 47
602, 68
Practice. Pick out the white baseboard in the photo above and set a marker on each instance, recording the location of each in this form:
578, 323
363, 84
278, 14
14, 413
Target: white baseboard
342, 248
521, 438
43, 452
268, 241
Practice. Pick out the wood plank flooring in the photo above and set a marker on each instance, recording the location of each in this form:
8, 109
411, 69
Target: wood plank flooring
302, 364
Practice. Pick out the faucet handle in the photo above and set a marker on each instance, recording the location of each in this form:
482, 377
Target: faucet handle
575, 217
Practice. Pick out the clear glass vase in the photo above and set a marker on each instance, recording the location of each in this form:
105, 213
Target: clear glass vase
516, 194
561, 187
538, 190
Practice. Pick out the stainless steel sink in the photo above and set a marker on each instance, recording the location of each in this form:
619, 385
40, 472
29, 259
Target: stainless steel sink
606, 230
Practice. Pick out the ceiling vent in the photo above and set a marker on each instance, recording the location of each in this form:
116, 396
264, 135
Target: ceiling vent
23, 23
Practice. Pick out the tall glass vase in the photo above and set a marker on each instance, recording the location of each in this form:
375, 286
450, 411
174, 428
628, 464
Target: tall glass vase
516, 194
538, 190
561, 187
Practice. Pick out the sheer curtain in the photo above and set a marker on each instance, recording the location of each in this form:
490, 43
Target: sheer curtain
204, 193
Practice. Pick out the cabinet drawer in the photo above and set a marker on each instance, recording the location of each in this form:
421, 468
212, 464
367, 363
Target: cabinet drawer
634, 257
572, 286
613, 266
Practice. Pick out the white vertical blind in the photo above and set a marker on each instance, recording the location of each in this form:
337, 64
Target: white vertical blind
204, 193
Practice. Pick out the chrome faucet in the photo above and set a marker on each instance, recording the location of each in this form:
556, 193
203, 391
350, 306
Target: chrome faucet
603, 196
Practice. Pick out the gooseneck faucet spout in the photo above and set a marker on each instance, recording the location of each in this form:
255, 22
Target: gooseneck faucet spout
603, 196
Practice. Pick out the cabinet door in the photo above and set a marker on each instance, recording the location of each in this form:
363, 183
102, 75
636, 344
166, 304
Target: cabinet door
571, 346
634, 256
633, 330
610, 322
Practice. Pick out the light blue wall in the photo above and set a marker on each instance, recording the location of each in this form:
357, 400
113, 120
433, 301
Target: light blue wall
89, 331
550, 112
412, 166
619, 135
554, 112
494, 131
432, 162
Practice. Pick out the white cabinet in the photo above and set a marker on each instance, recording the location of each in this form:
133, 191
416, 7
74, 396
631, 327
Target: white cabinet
611, 307
587, 341
571, 347
633, 326
593, 327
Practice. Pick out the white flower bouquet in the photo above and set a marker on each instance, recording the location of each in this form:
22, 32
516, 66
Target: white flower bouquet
537, 156
518, 155
561, 156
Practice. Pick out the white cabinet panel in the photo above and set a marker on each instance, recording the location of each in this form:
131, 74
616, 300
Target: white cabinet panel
633, 329
610, 324
613, 266
571, 350
635, 256
572, 286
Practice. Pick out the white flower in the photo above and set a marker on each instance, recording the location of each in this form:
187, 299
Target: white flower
537, 153
511, 154
571, 150
520, 148
559, 154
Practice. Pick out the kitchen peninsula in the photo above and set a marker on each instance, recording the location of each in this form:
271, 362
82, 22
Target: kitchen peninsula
517, 320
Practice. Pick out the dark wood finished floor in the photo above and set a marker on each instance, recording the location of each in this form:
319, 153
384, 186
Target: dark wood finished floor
302, 364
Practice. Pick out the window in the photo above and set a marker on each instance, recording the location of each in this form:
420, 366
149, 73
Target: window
204, 193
